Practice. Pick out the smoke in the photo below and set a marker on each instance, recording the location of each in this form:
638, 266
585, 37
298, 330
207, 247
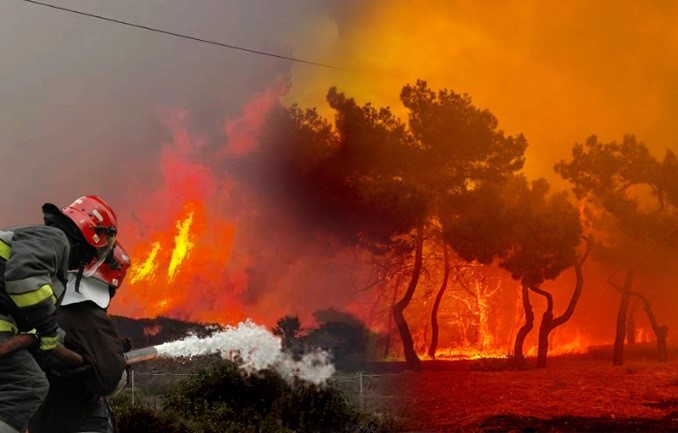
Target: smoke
247, 257
256, 349
557, 72
152, 123
149, 122
84, 100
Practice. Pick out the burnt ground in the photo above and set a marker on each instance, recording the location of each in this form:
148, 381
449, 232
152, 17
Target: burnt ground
583, 393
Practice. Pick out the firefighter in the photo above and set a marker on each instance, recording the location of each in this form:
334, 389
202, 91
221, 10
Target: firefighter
34, 263
77, 399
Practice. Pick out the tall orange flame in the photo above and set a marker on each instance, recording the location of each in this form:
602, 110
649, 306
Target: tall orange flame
182, 246
145, 270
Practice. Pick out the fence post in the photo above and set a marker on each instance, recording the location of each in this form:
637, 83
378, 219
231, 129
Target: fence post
360, 380
132, 383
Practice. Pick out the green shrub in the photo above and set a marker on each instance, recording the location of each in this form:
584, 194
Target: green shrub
143, 419
224, 399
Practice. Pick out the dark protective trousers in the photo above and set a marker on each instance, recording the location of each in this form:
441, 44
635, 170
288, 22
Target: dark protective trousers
23, 387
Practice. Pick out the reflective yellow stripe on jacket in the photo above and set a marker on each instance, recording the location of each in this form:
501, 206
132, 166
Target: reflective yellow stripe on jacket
31, 298
4, 250
6, 326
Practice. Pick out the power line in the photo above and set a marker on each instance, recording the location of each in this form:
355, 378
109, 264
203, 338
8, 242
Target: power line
179, 35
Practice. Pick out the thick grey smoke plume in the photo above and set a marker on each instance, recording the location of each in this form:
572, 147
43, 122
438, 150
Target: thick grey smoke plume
83, 100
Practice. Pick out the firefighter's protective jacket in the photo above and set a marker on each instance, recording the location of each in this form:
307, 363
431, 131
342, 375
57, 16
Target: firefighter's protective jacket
78, 403
33, 266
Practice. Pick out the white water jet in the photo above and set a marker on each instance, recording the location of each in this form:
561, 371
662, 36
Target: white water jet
257, 348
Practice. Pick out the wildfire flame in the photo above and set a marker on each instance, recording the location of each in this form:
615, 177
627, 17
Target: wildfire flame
182, 246
145, 270
182, 268
178, 272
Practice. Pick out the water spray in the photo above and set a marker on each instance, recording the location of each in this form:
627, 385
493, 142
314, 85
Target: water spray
251, 345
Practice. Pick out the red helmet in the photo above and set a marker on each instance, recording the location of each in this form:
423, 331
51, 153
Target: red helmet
98, 224
114, 267
95, 219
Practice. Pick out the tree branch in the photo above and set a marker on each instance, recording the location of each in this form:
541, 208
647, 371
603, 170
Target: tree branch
544, 293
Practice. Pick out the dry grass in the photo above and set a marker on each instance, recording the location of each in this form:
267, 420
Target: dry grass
576, 393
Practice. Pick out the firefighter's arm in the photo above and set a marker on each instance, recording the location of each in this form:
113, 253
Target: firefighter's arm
34, 259
20, 341
36, 302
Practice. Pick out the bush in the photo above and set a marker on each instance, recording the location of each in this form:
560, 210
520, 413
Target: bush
224, 399
143, 419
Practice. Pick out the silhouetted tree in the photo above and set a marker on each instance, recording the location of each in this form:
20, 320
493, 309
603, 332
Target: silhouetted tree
436, 304
371, 181
460, 149
344, 335
533, 235
639, 196
289, 329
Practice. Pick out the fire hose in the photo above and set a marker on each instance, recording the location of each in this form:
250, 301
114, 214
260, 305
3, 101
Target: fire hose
24, 341
139, 355
21, 341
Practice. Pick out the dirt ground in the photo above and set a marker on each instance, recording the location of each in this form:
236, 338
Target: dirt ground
583, 393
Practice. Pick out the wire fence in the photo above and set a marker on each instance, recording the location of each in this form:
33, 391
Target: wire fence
368, 390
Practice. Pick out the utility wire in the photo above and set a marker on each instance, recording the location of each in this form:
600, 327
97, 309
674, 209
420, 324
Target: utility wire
179, 35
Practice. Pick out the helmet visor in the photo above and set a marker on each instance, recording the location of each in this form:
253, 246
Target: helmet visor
101, 254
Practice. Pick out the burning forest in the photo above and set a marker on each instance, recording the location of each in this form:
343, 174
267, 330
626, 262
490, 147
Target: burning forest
425, 228
491, 188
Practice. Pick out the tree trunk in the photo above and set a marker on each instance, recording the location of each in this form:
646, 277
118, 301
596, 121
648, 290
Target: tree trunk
545, 327
524, 330
548, 322
618, 351
631, 324
413, 361
389, 326
436, 305
659, 331
662, 351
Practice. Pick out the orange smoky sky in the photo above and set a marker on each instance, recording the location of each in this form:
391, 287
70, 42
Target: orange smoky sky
557, 71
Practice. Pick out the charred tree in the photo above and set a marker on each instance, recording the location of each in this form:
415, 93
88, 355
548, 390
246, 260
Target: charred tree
436, 305
548, 322
389, 326
411, 358
660, 331
622, 313
631, 324
519, 357
544, 327
610, 175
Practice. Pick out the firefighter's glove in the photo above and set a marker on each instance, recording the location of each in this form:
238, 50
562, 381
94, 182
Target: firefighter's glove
59, 369
126, 344
48, 342
42, 357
